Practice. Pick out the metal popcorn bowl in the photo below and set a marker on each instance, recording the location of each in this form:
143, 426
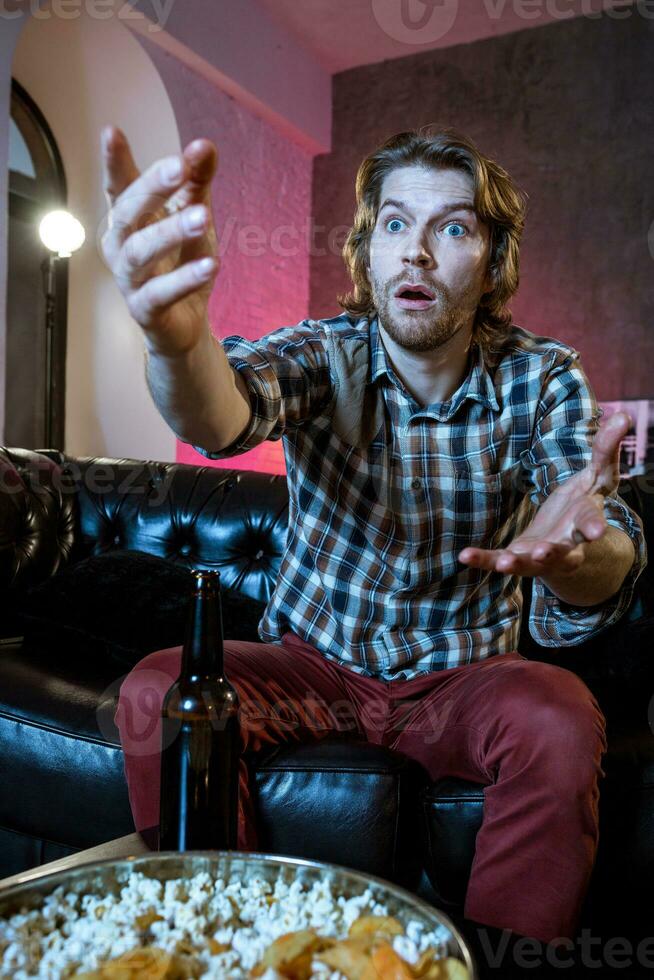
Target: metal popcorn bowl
107, 877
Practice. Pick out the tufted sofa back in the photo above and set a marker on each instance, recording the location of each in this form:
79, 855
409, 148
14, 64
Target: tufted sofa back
56, 509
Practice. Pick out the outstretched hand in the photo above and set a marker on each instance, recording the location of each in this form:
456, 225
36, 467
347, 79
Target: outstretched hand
571, 516
160, 242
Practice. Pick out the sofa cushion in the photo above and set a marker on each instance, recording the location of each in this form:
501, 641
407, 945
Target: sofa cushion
125, 604
345, 801
453, 810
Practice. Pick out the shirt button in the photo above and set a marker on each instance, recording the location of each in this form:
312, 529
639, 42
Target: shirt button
416, 484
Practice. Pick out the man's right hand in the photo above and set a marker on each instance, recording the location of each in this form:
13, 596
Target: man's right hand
163, 263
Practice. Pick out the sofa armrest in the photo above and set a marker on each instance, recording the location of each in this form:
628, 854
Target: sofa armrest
36, 518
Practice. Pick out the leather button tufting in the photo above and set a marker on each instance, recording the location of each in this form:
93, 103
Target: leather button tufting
185, 549
259, 554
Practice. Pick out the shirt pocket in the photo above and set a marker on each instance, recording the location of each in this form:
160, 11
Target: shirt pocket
478, 507
489, 504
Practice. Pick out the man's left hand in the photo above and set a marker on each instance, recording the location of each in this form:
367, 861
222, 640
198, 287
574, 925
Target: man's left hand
570, 517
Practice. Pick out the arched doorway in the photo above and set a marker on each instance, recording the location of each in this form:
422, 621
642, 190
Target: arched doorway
37, 184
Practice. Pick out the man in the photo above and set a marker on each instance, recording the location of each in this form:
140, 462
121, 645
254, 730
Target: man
436, 453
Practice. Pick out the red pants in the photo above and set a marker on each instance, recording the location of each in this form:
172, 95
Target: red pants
532, 732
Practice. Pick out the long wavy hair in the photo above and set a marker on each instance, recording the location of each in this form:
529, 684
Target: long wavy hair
498, 202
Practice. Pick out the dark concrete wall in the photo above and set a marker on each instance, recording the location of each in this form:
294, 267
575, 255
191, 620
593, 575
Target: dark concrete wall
568, 110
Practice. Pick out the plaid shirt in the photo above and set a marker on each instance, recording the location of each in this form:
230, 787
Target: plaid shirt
370, 574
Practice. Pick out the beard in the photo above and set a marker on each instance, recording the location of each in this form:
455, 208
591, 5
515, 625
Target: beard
423, 330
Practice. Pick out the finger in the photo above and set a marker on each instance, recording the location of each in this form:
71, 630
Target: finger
158, 293
605, 460
490, 560
527, 565
588, 521
543, 552
580, 519
200, 162
147, 247
543, 559
118, 167
536, 558
143, 200
480, 557
201, 157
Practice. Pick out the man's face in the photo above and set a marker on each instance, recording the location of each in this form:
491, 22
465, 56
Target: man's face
428, 236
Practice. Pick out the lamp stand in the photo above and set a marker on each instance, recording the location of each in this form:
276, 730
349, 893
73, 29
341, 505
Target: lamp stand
49, 269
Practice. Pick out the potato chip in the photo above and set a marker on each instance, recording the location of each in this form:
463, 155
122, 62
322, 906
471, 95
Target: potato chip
145, 921
386, 964
426, 960
148, 963
298, 969
215, 947
454, 969
375, 925
434, 971
350, 957
285, 949
185, 947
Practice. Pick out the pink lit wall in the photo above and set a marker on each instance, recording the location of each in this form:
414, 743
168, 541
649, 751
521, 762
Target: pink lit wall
261, 205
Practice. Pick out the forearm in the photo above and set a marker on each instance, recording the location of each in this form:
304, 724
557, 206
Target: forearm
608, 559
197, 395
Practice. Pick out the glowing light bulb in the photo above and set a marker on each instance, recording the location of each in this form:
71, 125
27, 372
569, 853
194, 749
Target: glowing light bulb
61, 233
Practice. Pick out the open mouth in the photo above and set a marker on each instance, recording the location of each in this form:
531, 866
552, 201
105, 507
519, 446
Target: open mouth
414, 294
414, 297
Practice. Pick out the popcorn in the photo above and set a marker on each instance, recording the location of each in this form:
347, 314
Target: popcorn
225, 927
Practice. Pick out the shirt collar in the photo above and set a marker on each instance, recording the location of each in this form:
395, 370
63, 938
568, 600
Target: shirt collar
477, 385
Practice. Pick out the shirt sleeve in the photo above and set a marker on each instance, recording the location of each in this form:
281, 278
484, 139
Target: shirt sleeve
288, 378
566, 423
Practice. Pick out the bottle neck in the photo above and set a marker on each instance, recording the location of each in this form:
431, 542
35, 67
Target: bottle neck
203, 648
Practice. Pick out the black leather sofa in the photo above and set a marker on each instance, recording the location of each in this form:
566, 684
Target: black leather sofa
61, 774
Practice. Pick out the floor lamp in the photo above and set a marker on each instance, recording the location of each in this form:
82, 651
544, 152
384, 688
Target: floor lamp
62, 234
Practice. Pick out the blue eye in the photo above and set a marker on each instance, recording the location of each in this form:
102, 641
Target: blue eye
394, 221
456, 224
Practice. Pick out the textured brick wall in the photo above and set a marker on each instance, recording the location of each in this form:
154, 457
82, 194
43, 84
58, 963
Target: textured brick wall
568, 110
261, 203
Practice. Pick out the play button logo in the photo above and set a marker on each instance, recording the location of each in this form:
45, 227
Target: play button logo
415, 21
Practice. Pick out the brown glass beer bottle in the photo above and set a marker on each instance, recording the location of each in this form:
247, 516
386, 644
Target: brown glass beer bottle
200, 736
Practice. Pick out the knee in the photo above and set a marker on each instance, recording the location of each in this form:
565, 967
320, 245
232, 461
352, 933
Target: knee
154, 673
140, 699
554, 711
